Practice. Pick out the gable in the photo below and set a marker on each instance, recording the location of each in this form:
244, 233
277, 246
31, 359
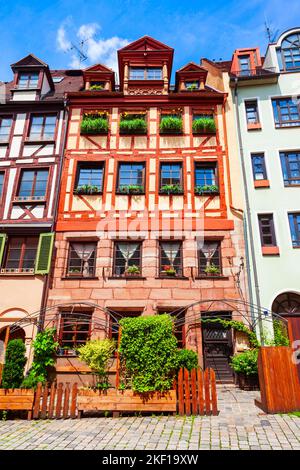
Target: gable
146, 43
30, 60
191, 67
98, 68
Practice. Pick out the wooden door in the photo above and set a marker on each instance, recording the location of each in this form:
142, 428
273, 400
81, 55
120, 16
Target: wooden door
217, 349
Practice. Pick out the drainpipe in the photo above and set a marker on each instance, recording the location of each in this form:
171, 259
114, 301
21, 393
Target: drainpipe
248, 233
55, 210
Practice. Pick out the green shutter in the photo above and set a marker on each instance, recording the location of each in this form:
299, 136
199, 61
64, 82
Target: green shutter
2, 245
44, 253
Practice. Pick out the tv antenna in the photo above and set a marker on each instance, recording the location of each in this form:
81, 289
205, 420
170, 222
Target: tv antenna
79, 50
270, 34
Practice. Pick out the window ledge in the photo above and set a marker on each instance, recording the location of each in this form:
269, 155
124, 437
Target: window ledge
211, 278
289, 126
25, 200
4, 142
119, 193
171, 194
262, 184
2, 274
88, 194
270, 250
254, 126
128, 278
79, 278
182, 278
39, 141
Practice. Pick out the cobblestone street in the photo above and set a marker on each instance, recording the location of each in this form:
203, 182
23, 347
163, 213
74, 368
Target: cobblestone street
240, 425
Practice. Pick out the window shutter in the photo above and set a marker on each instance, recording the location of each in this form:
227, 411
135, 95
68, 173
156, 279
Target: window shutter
44, 253
2, 245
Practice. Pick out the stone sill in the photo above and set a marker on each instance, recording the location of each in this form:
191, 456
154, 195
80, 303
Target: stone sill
254, 127
211, 278
262, 184
172, 278
128, 278
270, 250
80, 278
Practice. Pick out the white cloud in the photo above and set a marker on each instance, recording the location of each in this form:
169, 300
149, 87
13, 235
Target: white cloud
97, 50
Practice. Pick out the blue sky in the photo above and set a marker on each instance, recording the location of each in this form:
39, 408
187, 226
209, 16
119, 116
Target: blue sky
194, 29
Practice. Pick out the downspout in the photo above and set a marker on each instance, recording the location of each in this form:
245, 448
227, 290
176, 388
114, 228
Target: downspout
248, 234
55, 210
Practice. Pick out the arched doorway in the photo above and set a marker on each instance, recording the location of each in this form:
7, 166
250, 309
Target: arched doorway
288, 306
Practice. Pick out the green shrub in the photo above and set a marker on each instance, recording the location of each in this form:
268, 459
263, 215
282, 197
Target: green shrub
94, 125
204, 125
96, 354
171, 125
15, 360
245, 362
148, 352
44, 347
136, 125
281, 337
187, 358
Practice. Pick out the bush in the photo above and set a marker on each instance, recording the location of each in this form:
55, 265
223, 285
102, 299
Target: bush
204, 125
44, 350
133, 126
281, 337
245, 362
148, 352
170, 125
96, 354
94, 125
187, 359
15, 360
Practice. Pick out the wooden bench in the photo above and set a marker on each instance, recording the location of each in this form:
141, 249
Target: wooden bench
17, 399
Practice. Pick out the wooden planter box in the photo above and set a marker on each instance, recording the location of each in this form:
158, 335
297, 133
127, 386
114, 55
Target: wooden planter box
247, 382
17, 399
127, 400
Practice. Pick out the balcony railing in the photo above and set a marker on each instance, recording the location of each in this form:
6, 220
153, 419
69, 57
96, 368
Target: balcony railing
257, 72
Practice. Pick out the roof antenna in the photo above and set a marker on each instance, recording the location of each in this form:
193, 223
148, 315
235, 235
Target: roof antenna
270, 34
79, 50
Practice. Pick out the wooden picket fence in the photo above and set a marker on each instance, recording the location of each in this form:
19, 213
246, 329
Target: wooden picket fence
197, 392
55, 402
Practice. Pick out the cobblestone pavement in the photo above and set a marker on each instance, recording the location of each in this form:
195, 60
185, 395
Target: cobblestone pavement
240, 425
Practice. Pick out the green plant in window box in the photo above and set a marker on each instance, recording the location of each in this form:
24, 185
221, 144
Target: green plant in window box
96, 87
87, 189
94, 123
206, 189
133, 270
171, 125
212, 270
131, 189
193, 86
171, 189
133, 123
204, 125
169, 270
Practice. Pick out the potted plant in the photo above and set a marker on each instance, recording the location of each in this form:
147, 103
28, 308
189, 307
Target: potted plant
169, 271
133, 270
171, 189
245, 367
206, 189
94, 123
170, 124
87, 189
133, 123
193, 86
212, 270
131, 189
96, 87
204, 125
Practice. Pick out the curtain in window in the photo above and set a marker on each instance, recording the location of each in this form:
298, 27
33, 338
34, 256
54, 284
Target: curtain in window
171, 250
209, 250
84, 251
127, 251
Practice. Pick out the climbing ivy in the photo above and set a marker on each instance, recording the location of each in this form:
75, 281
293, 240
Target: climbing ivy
235, 325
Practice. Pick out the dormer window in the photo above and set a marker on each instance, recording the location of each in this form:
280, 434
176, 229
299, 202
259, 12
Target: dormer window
28, 80
192, 85
290, 50
97, 86
145, 73
244, 61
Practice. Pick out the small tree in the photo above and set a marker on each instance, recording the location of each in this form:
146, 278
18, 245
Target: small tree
15, 360
96, 354
187, 358
44, 350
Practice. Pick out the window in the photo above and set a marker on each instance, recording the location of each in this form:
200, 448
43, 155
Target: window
294, 220
258, 166
1, 182
192, 84
290, 52
33, 184
267, 230
170, 258
170, 174
42, 127
115, 325
244, 61
209, 258
127, 258
205, 174
286, 112
290, 165
145, 73
251, 112
90, 177
178, 318
82, 259
28, 80
21, 254
131, 174
74, 329
5, 127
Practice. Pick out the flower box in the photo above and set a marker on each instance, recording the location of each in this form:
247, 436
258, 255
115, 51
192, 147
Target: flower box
247, 382
204, 126
125, 400
171, 125
87, 190
94, 124
17, 399
133, 124
131, 189
171, 189
206, 190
